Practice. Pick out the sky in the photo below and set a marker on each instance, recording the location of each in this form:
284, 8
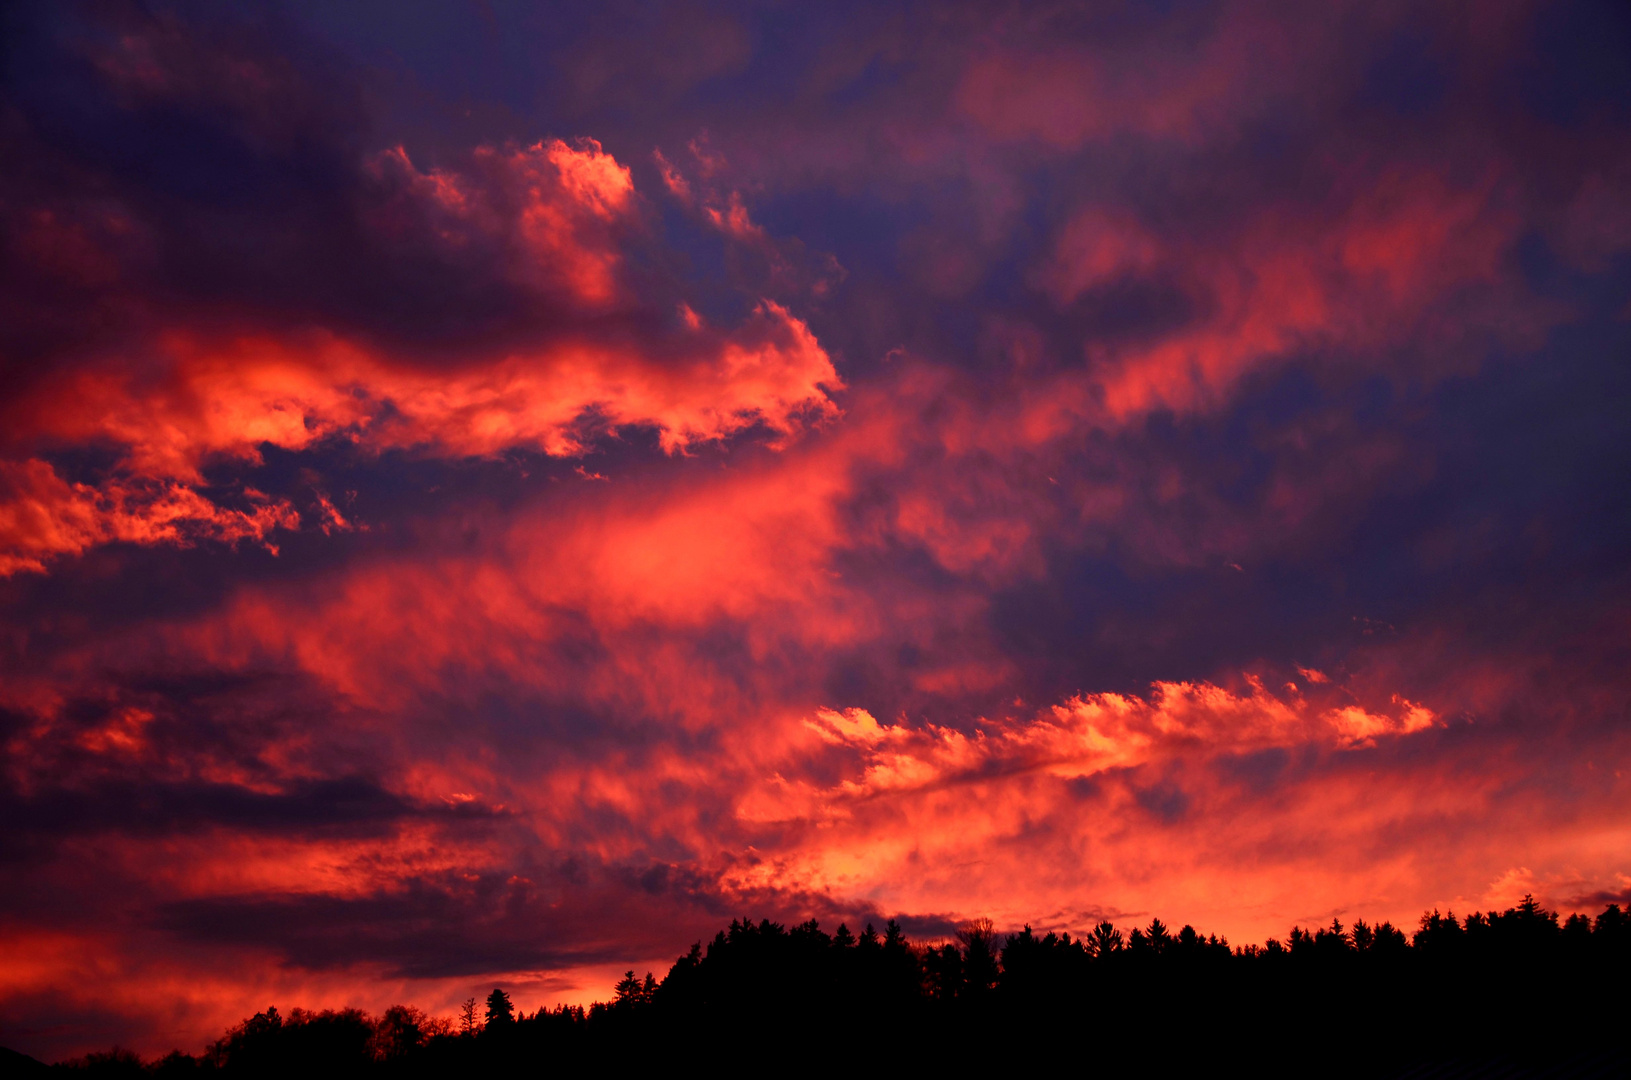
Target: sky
490, 493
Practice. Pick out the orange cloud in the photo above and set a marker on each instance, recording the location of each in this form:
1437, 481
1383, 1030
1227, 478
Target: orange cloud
43, 516
1120, 806
212, 399
1088, 735
230, 397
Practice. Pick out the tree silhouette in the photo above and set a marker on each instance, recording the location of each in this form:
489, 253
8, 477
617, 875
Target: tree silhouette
500, 1013
1104, 940
980, 970
943, 972
631, 992
1520, 983
1158, 937
402, 1030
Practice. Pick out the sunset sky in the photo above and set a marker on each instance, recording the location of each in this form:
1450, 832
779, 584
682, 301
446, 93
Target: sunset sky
490, 493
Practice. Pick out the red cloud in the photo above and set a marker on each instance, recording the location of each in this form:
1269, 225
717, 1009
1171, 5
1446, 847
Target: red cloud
1088, 736
205, 398
552, 208
1377, 270
43, 516
186, 398
872, 661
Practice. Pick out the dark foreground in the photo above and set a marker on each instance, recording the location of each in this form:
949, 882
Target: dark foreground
1514, 993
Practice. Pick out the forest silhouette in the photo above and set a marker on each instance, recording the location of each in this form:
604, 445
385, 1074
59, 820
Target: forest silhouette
1518, 987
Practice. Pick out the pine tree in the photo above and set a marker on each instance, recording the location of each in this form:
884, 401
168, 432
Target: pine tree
500, 1013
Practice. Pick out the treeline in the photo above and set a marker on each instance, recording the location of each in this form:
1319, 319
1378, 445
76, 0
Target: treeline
1517, 985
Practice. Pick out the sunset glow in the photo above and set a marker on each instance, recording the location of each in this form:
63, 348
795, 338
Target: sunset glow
494, 495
